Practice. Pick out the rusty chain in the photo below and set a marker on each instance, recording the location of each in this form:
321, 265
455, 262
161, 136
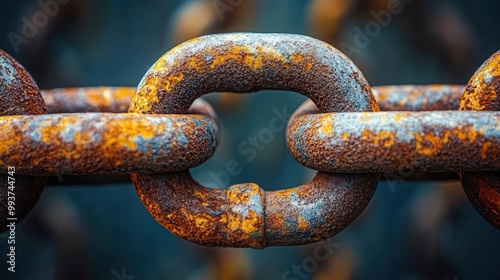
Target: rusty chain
19, 95
483, 94
86, 131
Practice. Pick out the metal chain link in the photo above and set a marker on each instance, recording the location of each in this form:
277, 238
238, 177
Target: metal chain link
338, 130
19, 95
483, 94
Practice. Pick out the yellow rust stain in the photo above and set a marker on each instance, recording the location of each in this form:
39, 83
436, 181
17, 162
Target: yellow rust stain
195, 63
296, 58
202, 221
326, 127
385, 138
244, 54
481, 89
147, 95
302, 223
123, 133
238, 221
398, 118
429, 144
7, 138
124, 93
99, 97
382, 95
308, 66
285, 193
485, 148
245, 224
345, 136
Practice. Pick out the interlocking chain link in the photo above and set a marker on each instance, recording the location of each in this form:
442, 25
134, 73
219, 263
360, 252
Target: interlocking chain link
483, 94
19, 95
244, 215
338, 130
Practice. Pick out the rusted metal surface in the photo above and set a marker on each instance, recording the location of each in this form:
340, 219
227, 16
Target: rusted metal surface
117, 99
318, 209
91, 99
483, 94
395, 141
246, 62
19, 94
244, 215
483, 191
97, 143
483, 90
418, 97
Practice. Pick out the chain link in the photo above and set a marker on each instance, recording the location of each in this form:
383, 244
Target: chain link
19, 95
338, 130
483, 94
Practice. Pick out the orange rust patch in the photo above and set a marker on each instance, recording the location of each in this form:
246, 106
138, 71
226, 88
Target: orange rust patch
481, 90
382, 95
116, 135
385, 138
195, 63
98, 97
428, 145
8, 139
246, 224
245, 55
147, 96
285, 193
326, 128
124, 93
485, 148
398, 118
302, 223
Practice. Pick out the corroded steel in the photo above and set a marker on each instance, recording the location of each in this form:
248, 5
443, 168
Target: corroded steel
246, 62
418, 97
244, 215
99, 143
19, 94
91, 99
117, 99
483, 94
483, 190
395, 141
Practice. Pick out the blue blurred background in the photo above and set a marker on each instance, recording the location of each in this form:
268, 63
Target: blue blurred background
410, 230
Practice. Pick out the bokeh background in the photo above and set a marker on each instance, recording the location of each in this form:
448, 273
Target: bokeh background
410, 230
